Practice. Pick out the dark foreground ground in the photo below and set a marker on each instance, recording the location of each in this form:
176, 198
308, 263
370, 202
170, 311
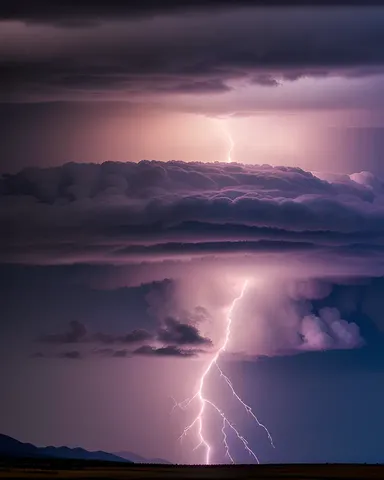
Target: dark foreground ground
72, 469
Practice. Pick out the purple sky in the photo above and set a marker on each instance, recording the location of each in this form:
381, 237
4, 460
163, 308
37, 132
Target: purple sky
126, 233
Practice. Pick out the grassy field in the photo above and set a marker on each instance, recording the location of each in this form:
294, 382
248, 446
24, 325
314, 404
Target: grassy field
72, 469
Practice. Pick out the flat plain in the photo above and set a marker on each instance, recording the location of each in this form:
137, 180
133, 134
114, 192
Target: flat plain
13, 468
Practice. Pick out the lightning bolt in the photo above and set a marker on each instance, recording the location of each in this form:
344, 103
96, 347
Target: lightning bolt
224, 128
231, 145
205, 402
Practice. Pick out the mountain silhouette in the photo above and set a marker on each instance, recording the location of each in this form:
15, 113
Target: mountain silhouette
133, 457
13, 448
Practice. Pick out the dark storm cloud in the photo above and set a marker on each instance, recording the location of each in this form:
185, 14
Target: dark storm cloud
266, 80
144, 350
136, 336
148, 350
171, 335
177, 333
264, 46
116, 211
202, 248
63, 80
170, 351
68, 12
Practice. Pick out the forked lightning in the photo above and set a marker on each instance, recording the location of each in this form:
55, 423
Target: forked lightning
206, 403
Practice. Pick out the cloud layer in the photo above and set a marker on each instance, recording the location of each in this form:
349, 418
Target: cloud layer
63, 11
128, 212
110, 55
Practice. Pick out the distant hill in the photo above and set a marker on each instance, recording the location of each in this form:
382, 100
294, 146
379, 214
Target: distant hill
138, 459
13, 448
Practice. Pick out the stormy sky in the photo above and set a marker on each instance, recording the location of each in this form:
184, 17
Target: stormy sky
156, 155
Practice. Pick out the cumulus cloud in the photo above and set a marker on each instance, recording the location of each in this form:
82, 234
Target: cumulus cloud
284, 317
328, 331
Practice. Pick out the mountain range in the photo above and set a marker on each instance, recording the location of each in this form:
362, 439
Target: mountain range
14, 448
133, 457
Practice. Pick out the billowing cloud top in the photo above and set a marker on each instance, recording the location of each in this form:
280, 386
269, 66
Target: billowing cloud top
117, 212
